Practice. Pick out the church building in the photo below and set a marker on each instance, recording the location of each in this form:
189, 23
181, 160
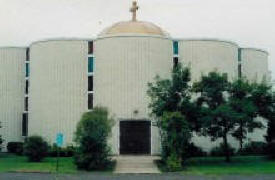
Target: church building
46, 87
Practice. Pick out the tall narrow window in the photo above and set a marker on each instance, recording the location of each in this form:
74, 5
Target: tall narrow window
28, 54
90, 101
90, 64
27, 69
239, 54
26, 103
25, 124
176, 47
27, 87
90, 83
90, 47
239, 70
175, 61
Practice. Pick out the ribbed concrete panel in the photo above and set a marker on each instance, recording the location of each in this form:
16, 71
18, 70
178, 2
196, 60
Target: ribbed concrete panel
204, 56
58, 87
254, 64
123, 68
12, 81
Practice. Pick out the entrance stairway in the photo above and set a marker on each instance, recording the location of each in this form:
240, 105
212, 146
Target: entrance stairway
136, 164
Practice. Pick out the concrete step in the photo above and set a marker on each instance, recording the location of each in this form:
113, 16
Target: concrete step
136, 164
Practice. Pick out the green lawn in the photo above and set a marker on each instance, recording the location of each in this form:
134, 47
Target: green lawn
249, 165
12, 163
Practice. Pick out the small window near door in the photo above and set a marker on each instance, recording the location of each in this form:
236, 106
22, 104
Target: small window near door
239, 70
27, 69
90, 83
176, 47
27, 87
28, 54
25, 124
26, 103
90, 64
90, 47
90, 101
175, 61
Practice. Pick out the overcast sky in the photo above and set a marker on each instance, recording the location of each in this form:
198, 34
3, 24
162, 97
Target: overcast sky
250, 23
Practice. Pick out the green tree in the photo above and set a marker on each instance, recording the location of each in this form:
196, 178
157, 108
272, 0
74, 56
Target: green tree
35, 148
263, 98
175, 114
174, 95
175, 136
241, 102
92, 150
220, 119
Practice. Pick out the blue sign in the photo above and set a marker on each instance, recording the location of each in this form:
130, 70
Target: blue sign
59, 139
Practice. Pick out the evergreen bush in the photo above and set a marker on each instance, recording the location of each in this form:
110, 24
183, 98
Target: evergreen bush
15, 147
92, 151
35, 148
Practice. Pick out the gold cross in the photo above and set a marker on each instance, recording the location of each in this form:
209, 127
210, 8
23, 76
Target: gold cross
134, 9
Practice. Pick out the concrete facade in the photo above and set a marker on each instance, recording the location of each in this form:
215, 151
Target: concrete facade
58, 87
206, 55
124, 64
12, 84
121, 82
254, 64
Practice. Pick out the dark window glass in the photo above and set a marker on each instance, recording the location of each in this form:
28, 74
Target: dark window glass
90, 101
90, 47
27, 87
27, 69
26, 103
175, 61
176, 47
25, 125
90, 64
28, 54
239, 54
239, 70
90, 83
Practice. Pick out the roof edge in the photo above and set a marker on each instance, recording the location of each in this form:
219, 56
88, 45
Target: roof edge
61, 39
256, 49
207, 39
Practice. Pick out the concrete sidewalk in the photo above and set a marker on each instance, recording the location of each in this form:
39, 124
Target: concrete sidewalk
136, 164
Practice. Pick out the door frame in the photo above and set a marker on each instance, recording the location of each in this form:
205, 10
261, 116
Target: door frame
147, 120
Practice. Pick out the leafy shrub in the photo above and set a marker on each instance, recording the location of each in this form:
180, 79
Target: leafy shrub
271, 150
35, 148
63, 152
220, 150
254, 148
195, 151
15, 147
173, 163
92, 151
70, 151
175, 136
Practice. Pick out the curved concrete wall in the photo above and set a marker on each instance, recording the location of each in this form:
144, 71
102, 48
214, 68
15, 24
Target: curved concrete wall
123, 68
254, 64
12, 82
204, 56
58, 87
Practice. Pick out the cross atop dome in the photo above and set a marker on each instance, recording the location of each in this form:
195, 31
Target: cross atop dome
134, 9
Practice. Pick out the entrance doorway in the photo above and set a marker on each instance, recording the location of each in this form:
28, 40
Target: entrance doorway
135, 137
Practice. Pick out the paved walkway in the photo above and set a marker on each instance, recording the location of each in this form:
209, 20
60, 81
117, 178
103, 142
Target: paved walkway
93, 176
136, 164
